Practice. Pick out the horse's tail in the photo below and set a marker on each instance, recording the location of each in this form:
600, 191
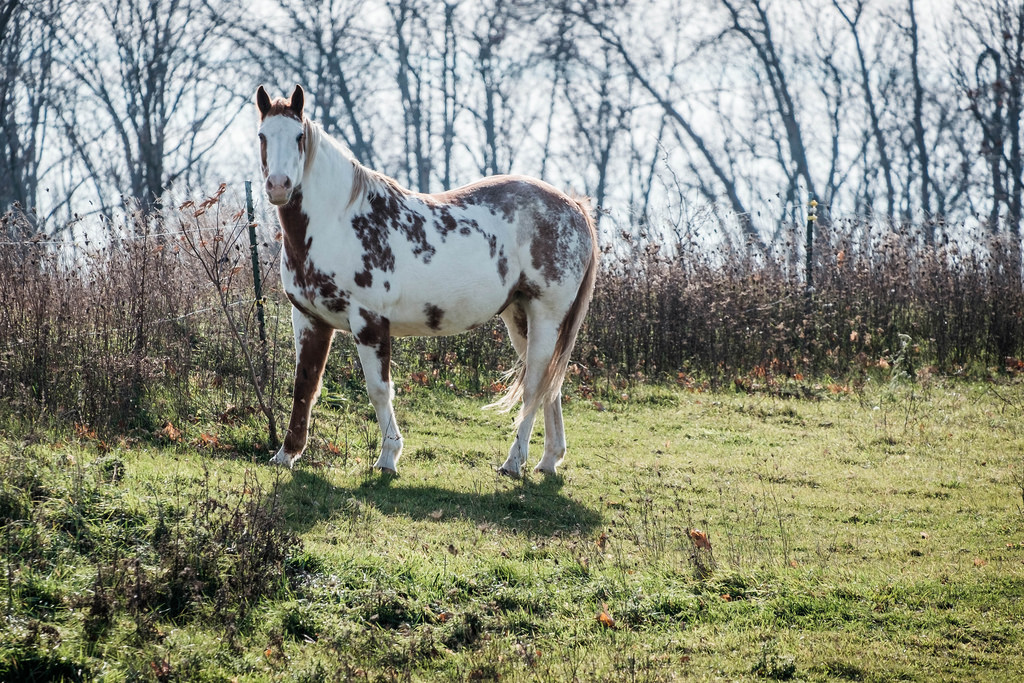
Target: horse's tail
554, 373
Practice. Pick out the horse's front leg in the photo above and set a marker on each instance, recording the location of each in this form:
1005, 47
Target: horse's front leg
312, 344
373, 341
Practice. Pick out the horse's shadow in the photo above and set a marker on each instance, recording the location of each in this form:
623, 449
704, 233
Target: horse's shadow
535, 508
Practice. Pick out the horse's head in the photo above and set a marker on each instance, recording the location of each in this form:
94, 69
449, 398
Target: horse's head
282, 143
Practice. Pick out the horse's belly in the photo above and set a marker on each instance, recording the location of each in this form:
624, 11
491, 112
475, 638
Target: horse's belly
441, 315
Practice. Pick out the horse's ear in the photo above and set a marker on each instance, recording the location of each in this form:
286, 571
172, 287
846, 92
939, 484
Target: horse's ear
297, 100
262, 101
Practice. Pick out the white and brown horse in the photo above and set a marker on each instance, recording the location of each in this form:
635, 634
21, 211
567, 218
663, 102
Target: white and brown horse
364, 255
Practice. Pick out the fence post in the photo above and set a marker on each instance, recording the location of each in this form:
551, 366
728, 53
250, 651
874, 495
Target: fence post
808, 331
256, 282
812, 216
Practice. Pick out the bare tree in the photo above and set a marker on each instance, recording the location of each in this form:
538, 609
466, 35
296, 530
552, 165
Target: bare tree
26, 61
853, 19
449, 91
588, 13
600, 120
148, 73
645, 164
490, 111
613, 96
750, 20
336, 48
416, 123
994, 86
920, 142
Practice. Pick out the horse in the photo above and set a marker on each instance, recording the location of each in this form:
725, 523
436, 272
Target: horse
363, 255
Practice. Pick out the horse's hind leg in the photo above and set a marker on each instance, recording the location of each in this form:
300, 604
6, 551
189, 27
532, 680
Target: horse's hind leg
540, 347
515, 321
554, 431
554, 436
373, 341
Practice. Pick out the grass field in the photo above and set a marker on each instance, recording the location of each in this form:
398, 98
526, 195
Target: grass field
874, 534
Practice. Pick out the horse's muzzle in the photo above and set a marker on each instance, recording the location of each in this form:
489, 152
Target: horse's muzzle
279, 189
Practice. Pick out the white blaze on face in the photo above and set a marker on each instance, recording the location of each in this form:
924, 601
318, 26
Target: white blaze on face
281, 148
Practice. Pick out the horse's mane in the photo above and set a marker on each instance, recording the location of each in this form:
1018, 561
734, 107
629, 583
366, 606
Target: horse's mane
312, 132
365, 181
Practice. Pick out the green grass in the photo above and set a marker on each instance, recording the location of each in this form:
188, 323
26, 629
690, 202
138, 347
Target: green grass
873, 535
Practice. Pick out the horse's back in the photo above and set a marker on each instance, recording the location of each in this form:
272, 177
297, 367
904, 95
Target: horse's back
552, 231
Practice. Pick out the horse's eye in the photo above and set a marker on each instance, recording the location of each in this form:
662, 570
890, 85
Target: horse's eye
300, 137
263, 138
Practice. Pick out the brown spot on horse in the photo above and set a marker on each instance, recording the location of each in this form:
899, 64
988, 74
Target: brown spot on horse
376, 333
434, 316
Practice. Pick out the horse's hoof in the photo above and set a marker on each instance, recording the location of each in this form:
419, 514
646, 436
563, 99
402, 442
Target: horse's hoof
509, 473
545, 471
388, 472
283, 460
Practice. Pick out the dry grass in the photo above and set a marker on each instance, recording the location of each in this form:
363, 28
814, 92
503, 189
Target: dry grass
137, 331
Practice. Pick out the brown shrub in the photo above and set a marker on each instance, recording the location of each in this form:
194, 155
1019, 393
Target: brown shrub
129, 333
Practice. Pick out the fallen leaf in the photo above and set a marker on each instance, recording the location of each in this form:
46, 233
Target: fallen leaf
436, 514
978, 562
170, 432
605, 619
602, 541
700, 539
209, 440
84, 432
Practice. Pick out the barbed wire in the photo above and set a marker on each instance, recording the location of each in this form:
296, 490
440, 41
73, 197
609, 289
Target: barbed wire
160, 321
107, 239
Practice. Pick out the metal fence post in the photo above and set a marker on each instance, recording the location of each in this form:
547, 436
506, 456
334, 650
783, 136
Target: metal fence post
256, 281
812, 216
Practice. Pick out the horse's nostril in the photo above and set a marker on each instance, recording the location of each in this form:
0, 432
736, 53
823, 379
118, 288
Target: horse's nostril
278, 182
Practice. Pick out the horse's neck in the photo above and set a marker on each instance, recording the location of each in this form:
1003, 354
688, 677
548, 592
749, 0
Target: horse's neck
333, 177
329, 171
